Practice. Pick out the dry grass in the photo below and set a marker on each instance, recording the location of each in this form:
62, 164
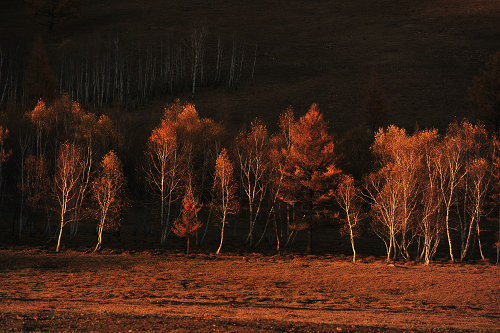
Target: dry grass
48, 291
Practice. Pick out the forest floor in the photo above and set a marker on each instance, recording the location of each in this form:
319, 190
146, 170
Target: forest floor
127, 291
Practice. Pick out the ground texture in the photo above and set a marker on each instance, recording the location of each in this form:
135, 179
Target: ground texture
155, 292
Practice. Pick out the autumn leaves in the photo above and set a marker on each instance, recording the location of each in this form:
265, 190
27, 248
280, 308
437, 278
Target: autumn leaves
423, 189
57, 170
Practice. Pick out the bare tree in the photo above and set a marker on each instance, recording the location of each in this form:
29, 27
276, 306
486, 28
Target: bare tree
251, 148
347, 196
163, 170
429, 222
225, 199
66, 181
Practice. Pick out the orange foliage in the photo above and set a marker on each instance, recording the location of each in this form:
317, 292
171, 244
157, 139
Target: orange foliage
188, 224
225, 187
108, 190
310, 173
394, 189
42, 116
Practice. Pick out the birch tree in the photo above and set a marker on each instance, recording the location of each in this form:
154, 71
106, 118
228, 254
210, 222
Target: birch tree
163, 170
347, 196
252, 150
65, 184
108, 191
225, 198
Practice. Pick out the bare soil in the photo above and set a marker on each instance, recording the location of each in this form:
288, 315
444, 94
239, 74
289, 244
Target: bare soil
41, 290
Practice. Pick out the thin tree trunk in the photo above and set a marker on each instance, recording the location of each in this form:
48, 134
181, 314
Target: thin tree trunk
352, 244
448, 232
60, 233
309, 239
221, 234
99, 237
479, 241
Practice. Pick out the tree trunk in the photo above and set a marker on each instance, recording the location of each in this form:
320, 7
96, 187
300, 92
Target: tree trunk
352, 245
59, 238
221, 234
309, 239
448, 232
99, 237
187, 246
479, 241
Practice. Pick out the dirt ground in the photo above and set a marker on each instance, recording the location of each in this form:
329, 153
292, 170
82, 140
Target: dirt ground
126, 291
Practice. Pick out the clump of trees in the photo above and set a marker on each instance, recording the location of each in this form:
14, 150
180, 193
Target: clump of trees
110, 71
425, 188
423, 191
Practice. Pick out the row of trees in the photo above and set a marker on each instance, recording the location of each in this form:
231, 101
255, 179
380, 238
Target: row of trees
101, 72
424, 188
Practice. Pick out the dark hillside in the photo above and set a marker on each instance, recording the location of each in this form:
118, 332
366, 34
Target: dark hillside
425, 52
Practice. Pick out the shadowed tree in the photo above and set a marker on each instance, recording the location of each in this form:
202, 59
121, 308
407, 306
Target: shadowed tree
225, 199
36, 186
485, 94
49, 13
374, 104
309, 174
39, 79
4, 154
188, 224
495, 193
108, 191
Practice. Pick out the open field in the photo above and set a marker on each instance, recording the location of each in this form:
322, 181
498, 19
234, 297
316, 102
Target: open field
143, 291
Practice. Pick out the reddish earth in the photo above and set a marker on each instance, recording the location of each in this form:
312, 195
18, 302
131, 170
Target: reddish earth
155, 292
